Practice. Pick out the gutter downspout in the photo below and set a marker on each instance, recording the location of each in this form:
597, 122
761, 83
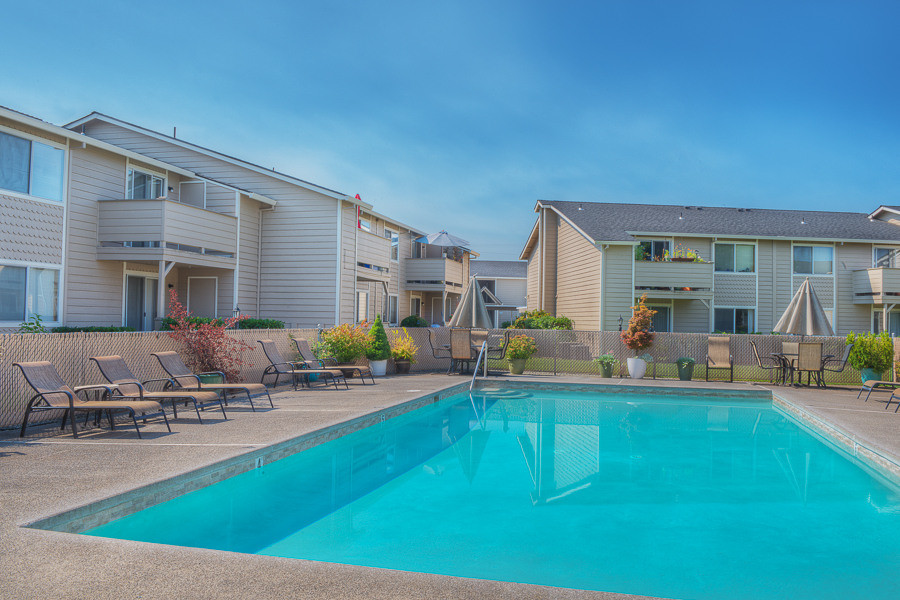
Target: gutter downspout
337, 269
237, 251
543, 239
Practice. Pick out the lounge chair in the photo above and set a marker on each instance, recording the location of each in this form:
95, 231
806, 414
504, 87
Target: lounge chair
347, 369
114, 369
296, 370
183, 379
874, 384
54, 394
719, 356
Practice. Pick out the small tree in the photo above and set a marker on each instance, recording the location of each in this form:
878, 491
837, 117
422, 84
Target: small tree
638, 335
207, 347
380, 348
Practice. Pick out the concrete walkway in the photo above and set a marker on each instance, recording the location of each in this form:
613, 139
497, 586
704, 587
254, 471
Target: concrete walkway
50, 472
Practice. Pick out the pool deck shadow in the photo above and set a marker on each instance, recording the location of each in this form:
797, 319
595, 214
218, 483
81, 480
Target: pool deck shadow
48, 472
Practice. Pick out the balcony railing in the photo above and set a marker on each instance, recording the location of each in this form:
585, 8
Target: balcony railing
673, 279
434, 274
876, 286
152, 230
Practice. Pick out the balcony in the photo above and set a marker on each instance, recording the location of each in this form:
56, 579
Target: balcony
434, 275
672, 279
373, 257
876, 286
155, 230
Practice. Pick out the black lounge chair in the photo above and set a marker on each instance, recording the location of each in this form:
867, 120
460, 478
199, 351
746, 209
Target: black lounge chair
54, 394
181, 378
114, 369
347, 369
298, 371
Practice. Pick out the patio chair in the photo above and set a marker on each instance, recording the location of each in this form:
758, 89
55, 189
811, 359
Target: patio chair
769, 363
839, 364
809, 361
789, 351
309, 357
114, 369
719, 356
183, 379
437, 350
54, 394
460, 350
296, 370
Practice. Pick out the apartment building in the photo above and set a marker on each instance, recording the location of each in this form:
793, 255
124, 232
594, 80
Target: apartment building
710, 269
99, 219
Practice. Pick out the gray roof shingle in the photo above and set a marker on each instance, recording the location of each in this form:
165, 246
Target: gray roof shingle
610, 222
498, 268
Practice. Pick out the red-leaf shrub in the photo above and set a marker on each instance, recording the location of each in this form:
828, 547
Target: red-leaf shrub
638, 335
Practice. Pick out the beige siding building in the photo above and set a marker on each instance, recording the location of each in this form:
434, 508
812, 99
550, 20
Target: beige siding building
710, 269
102, 218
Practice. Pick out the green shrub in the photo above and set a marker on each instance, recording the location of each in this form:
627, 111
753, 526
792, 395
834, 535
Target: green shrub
413, 321
505, 324
252, 323
92, 329
380, 348
539, 319
606, 359
871, 351
33, 324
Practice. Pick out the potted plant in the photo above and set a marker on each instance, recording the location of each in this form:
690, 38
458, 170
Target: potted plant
606, 362
685, 368
379, 350
872, 354
519, 349
638, 337
403, 350
344, 343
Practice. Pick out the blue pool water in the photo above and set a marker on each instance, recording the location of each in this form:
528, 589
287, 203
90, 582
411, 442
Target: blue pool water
662, 496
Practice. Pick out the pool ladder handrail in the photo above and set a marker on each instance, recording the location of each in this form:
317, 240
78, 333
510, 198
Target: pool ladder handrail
481, 355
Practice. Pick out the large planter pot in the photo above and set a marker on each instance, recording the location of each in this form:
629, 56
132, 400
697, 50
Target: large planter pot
378, 367
211, 378
402, 366
636, 367
517, 365
606, 370
868, 374
685, 371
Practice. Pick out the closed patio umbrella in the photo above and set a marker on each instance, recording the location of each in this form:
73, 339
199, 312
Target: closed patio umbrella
471, 312
804, 315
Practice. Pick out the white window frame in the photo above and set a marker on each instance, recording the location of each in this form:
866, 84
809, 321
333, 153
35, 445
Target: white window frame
412, 301
754, 324
794, 273
365, 317
670, 321
365, 222
669, 242
395, 298
216, 288
28, 266
895, 256
755, 258
65, 168
129, 166
389, 234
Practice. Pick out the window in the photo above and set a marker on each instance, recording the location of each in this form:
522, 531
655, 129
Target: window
362, 306
660, 321
733, 320
418, 250
31, 167
145, 186
415, 306
813, 260
393, 306
654, 250
364, 223
735, 258
27, 291
395, 243
885, 257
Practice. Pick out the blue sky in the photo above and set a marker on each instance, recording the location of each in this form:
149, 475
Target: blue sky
459, 115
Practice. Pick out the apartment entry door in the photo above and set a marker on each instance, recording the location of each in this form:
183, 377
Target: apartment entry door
140, 302
203, 296
437, 316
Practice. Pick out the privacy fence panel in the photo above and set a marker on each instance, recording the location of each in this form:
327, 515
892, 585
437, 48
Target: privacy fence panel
559, 352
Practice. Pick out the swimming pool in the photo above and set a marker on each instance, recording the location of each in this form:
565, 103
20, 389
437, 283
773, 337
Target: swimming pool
672, 496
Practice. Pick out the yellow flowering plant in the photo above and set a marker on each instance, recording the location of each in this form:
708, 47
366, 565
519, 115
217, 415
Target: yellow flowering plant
402, 346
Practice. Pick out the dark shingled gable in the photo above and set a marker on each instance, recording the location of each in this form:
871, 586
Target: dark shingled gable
611, 222
485, 269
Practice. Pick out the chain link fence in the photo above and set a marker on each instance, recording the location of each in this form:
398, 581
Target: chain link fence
559, 352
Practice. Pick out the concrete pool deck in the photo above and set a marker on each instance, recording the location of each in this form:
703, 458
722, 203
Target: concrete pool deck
49, 473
